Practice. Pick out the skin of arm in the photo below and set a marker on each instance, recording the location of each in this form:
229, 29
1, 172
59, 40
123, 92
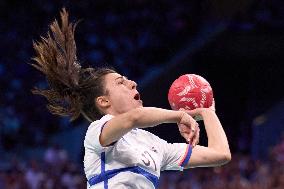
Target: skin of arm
217, 153
141, 118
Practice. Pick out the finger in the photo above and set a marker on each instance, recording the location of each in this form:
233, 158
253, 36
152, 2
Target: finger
190, 136
198, 132
197, 142
185, 136
195, 139
195, 133
183, 128
184, 131
194, 129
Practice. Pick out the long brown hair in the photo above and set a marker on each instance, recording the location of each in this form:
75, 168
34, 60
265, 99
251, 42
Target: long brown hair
72, 89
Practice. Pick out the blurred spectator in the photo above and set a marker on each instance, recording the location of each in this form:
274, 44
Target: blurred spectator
132, 36
55, 156
241, 173
34, 175
278, 151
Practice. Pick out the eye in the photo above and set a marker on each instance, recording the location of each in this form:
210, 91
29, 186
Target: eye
121, 81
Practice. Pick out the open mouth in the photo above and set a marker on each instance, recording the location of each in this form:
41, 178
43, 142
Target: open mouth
137, 96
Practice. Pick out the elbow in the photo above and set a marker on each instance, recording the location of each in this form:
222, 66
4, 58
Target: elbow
226, 158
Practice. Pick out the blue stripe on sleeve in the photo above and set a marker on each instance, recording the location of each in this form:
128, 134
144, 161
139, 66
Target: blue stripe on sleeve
186, 159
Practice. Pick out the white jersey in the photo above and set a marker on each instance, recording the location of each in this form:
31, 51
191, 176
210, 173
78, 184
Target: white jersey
134, 161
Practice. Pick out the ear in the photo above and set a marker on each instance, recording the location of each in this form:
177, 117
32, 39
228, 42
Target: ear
103, 102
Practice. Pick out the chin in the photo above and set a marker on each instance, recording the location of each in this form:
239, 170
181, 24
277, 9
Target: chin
140, 106
140, 103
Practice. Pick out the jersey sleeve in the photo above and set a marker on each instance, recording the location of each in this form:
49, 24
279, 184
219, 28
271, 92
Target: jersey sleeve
93, 133
175, 156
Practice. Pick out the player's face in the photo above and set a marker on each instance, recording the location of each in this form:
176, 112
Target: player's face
122, 93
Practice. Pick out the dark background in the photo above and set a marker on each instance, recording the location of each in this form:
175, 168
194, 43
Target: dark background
238, 46
245, 70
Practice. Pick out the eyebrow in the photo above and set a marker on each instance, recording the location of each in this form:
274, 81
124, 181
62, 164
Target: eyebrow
121, 77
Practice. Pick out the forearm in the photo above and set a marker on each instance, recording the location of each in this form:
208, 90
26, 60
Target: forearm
217, 139
150, 116
136, 118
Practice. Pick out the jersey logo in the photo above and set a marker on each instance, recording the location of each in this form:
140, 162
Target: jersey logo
154, 149
147, 159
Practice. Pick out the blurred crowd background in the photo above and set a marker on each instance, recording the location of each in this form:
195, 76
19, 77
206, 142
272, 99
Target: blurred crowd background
236, 45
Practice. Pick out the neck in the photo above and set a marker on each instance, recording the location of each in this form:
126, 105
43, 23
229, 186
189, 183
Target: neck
111, 112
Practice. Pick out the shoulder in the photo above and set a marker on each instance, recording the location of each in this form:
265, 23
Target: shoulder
94, 130
97, 125
103, 119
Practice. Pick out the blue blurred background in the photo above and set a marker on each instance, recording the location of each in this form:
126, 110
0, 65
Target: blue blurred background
238, 46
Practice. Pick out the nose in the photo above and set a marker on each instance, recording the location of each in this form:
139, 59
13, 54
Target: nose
133, 84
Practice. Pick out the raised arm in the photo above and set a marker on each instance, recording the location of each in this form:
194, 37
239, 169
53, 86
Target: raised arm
142, 118
218, 152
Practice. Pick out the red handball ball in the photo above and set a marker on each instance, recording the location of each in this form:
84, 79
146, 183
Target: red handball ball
190, 91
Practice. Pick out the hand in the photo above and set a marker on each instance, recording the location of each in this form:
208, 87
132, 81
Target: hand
189, 129
196, 113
